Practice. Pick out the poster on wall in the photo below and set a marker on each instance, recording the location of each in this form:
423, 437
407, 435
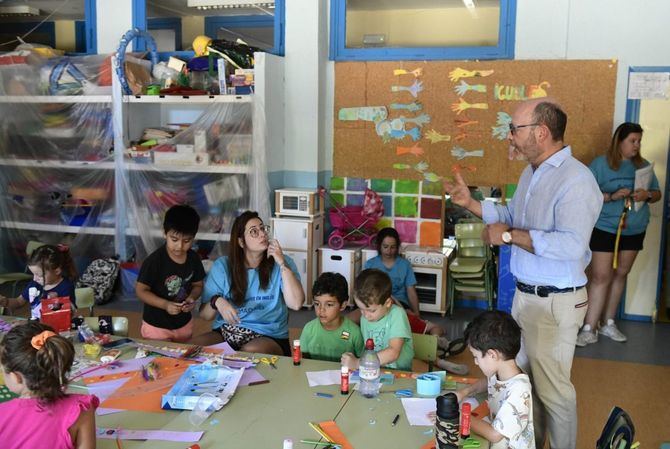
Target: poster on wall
427, 120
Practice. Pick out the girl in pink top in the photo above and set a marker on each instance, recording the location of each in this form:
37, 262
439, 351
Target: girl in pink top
35, 363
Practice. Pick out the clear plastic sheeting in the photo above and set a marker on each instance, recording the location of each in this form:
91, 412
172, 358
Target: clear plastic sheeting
211, 164
56, 158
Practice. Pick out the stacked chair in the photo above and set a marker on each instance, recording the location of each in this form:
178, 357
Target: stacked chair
473, 269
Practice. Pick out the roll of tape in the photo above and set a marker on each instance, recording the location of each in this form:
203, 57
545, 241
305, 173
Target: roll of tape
428, 385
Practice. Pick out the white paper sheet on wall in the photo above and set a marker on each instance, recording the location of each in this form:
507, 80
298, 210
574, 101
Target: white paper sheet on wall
648, 86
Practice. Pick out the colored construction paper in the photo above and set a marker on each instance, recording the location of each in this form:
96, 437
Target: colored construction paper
250, 375
356, 184
381, 185
163, 435
120, 367
225, 347
407, 186
139, 394
333, 431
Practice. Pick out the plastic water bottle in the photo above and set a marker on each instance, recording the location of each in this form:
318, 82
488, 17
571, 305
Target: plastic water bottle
369, 371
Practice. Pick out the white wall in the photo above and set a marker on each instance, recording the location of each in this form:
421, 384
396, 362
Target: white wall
306, 59
633, 32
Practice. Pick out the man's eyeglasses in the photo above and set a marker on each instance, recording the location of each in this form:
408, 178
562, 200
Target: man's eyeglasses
256, 231
514, 128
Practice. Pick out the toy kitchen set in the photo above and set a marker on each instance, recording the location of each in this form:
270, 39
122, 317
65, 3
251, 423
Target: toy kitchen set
430, 266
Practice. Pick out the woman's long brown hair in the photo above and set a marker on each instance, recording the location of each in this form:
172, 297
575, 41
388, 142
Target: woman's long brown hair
238, 260
614, 156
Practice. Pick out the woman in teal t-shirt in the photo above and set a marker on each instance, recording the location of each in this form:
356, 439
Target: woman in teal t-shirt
249, 292
615, 173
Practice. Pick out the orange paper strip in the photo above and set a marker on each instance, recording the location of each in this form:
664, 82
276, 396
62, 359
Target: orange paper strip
333, 431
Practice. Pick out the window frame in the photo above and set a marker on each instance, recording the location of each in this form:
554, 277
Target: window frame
213, 23
339, 51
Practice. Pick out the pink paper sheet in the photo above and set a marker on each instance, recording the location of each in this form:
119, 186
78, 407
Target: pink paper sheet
250, 375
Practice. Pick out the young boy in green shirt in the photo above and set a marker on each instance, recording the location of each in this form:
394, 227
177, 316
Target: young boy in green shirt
330, 334
383, 321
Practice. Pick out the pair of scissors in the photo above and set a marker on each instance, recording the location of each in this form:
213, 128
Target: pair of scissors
272, 361
403, 393
471, 443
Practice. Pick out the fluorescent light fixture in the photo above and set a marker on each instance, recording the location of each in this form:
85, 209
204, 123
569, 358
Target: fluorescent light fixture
226, 4
17, 11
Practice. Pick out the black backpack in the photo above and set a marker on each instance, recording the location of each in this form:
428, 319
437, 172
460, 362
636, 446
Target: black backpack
619, 431
101, 276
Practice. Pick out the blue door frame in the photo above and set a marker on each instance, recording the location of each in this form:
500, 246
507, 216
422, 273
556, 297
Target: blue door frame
633, 115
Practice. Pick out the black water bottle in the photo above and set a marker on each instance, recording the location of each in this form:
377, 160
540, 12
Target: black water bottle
447, 422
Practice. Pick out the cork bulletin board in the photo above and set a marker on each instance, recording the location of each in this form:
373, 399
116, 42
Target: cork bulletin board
425, 120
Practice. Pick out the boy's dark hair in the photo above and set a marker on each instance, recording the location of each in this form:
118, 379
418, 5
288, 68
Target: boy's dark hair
182, 219
495, 330
44, 370
372, 287
333, 284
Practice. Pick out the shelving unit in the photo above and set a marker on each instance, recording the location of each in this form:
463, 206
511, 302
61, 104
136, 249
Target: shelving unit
56, 171
224, 139
55, 150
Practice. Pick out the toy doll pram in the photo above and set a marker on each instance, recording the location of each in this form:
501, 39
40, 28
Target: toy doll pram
355, 224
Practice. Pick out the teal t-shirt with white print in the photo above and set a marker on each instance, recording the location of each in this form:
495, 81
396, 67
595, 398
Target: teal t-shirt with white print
393, 325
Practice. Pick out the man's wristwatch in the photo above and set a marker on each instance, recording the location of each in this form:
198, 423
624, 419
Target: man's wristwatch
212, 301
506, 237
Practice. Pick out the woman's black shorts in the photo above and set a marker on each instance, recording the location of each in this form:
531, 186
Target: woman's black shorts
603, 241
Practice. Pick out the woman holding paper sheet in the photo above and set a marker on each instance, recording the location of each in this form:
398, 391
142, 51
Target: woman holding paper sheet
248, 293
619, 231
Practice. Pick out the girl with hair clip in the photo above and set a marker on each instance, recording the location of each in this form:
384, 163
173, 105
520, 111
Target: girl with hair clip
53, 271
619, 232
249, 292
35, 364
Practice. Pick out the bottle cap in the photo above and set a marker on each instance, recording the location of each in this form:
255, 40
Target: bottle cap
344, 369
288, 443
370, 344
296, 342
447, 405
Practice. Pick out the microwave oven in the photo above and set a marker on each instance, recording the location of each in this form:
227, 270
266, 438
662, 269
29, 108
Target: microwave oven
298, 202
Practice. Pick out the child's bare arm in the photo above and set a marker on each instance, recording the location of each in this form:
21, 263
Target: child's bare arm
392, 352
144, 293
484, 429
478, 387
12, 303
83, 430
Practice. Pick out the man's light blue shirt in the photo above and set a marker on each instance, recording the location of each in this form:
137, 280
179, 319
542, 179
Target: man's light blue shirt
558, 204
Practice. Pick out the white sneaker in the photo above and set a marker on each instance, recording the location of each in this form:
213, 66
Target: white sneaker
586, 337
610, 330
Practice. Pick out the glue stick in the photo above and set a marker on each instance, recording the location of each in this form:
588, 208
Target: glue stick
344, 380
466, 410
297, 355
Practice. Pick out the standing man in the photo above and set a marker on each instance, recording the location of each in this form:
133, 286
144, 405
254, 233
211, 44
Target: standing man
548, 223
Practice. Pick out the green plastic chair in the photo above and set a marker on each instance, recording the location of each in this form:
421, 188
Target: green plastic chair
17, 278
85, 298
425, 348
472, 270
